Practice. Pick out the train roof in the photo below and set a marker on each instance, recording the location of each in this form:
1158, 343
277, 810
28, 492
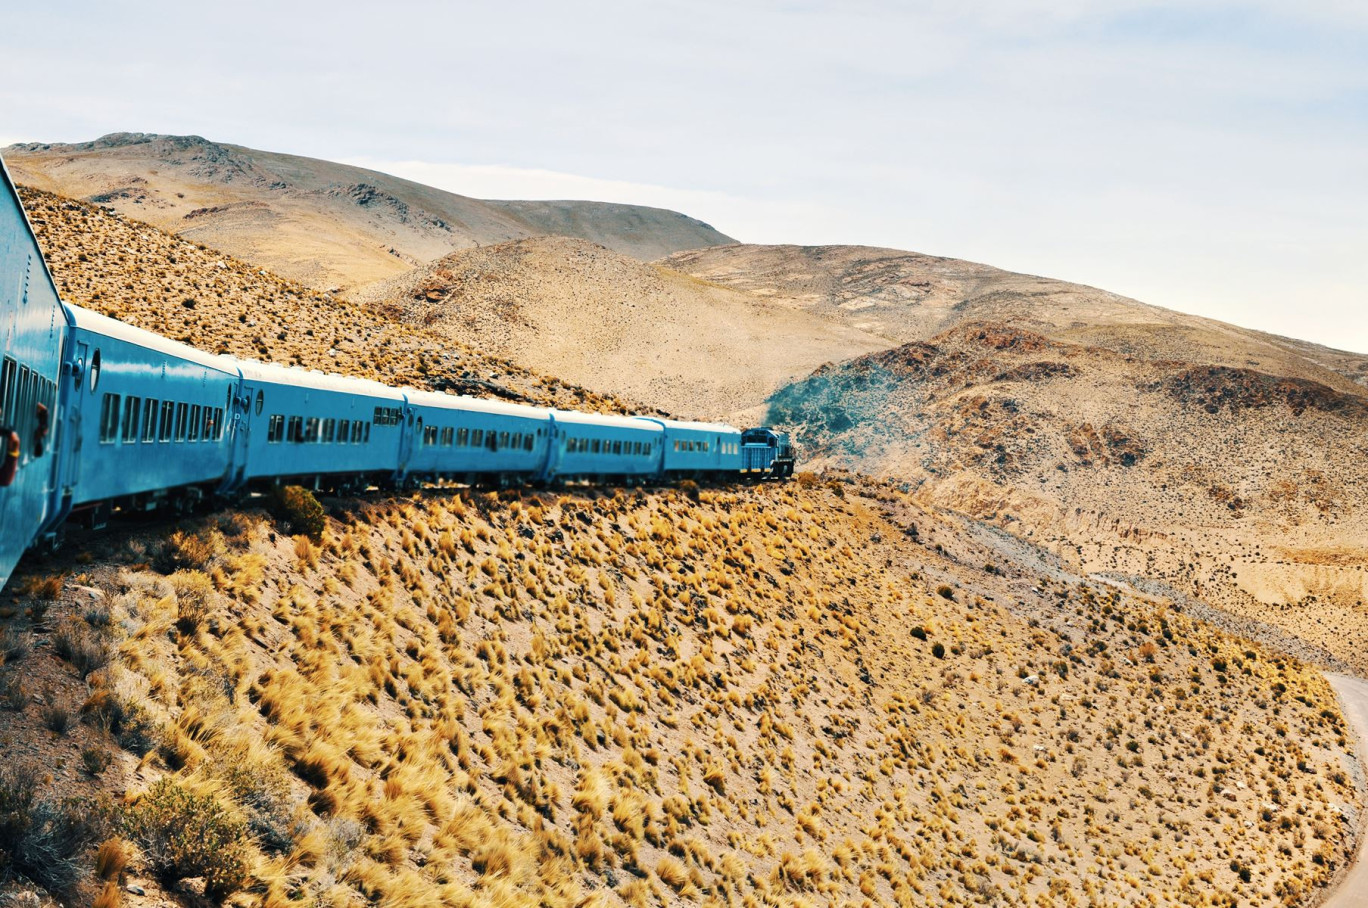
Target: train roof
576, 418
716, 427
312, 378
94, 322
472, 404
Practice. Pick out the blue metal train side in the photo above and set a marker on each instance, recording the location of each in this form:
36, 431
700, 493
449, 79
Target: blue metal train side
146, 415
463, 436
589, 444
698, 449
313, 427
32, 329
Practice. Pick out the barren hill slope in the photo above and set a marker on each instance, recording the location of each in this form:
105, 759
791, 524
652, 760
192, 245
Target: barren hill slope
163, 283
321, 223
573, 309
1244, 489
814, 693
907, 296
792, 695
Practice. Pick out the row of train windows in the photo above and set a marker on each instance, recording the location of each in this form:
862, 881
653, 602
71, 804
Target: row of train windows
605, 446
388, 416
685, 445
133, 419
451, 437
22, 393
313, 430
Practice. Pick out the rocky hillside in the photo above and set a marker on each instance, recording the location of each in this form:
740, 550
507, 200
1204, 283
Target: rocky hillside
1235, 486
323, 224
788, 695
606, 321
713, 332
906, 296
201, 297
816, 692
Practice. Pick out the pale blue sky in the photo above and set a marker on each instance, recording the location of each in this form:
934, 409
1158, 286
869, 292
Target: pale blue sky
1207, 156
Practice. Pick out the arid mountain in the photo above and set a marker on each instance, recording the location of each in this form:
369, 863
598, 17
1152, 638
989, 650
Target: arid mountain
323, 224
1243, 489
820, 692
905, 296
163, 283
606, 321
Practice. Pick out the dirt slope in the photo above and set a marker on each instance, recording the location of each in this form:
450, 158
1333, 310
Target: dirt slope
320, 223
606, 321
1244, 489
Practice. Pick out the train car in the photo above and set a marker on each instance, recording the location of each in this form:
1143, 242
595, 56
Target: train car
591, 445
466, 437
765, 453
32, 330
694, 449
148, 418
322, 431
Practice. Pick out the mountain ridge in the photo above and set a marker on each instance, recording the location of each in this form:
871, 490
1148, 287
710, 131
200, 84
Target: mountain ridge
322, 223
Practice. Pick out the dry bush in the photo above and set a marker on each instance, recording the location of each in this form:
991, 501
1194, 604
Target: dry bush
42, 837
195, 599
78, 644
111, 859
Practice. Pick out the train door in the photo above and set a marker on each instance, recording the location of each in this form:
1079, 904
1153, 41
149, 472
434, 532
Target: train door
247, 405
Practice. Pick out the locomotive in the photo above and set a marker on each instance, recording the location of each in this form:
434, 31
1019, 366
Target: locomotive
97, 416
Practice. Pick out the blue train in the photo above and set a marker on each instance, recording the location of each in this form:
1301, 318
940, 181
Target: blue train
97, 416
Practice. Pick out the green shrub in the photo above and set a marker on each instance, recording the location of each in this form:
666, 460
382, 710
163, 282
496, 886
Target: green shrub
298, 507
184, 833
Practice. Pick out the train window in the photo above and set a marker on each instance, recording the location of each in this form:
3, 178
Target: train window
210, 423
593, 446
24, 409
343, 431
311, 429
477, 438
448, 437
329, 431
260, 402
182, 419
149, 426
366, 439
516, 439
617, 447
503, 439
294, 431
7, 387
132, 410
168, 415
109, 418
360, 431
275, 428
527, 442
192, 424
94, 371
462, 437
